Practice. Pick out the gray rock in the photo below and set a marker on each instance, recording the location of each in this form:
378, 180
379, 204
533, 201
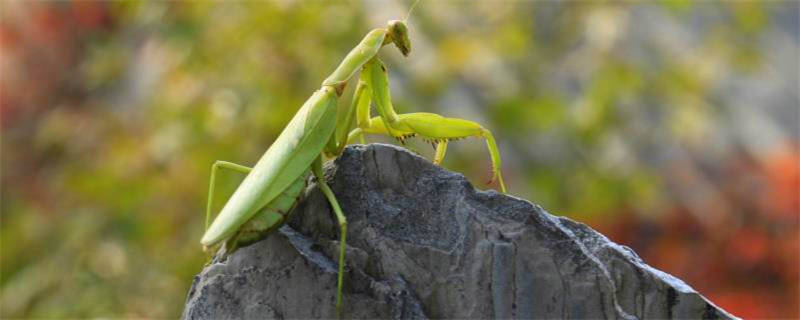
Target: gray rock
423, 243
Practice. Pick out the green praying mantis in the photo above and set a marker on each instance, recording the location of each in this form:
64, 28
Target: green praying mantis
273, 187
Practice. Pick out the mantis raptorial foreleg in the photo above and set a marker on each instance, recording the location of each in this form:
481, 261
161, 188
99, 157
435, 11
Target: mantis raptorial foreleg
340, 139
316, 167
438, 130
217, 165
429, 126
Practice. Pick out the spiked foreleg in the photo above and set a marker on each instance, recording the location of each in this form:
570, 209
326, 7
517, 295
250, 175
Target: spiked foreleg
345, 120
375, 76
439, 130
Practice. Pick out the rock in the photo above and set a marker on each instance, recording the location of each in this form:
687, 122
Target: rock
423, 243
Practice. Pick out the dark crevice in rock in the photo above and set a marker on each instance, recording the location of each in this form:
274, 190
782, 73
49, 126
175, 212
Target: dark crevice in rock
672, 298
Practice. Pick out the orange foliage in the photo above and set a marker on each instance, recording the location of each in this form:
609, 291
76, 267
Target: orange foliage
748, 265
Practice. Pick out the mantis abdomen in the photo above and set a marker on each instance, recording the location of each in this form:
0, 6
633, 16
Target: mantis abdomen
270, 217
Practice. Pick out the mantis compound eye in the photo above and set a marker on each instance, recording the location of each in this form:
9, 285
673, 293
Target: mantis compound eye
398, 32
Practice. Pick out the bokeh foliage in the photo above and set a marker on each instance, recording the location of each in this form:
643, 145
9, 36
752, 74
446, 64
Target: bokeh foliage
671, 126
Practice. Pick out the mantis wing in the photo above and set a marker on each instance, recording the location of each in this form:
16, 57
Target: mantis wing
286, 159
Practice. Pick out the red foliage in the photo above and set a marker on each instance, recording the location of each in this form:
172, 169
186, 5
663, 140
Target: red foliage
748, 264
42, 44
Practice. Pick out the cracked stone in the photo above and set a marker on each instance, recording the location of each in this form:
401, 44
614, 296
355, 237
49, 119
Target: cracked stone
423, 243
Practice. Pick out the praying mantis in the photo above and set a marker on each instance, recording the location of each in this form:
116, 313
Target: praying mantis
273, 187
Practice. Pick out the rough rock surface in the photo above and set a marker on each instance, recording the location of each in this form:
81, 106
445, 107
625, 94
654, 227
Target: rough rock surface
423, 243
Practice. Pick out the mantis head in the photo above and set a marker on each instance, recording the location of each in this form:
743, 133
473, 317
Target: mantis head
398, 33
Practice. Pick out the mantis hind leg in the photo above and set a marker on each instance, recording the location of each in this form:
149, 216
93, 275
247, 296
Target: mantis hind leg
216, 166
316, 167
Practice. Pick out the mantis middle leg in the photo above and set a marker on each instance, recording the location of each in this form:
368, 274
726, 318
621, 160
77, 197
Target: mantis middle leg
316, 167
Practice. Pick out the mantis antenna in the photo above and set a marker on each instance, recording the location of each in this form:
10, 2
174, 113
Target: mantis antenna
408, 14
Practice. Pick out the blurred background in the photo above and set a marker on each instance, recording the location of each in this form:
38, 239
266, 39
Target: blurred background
671, 127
